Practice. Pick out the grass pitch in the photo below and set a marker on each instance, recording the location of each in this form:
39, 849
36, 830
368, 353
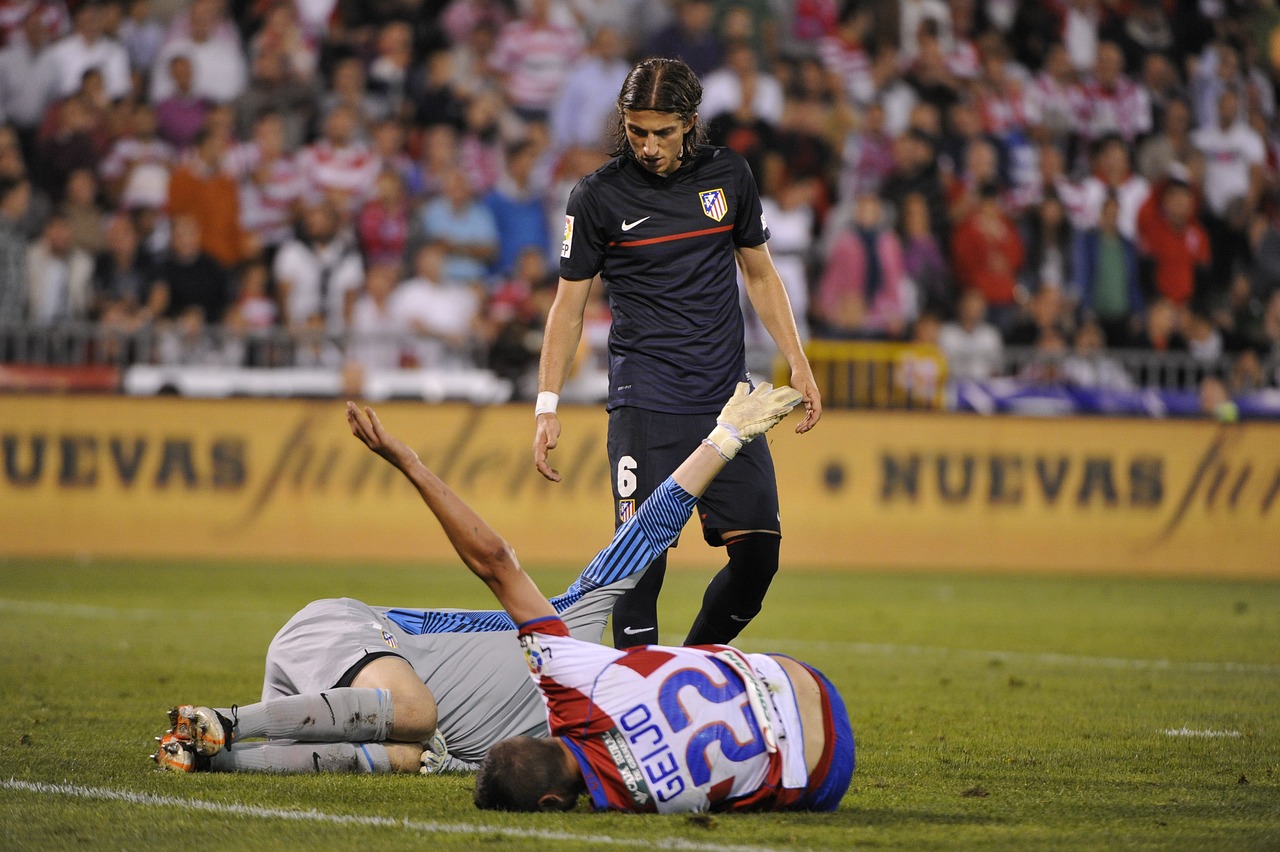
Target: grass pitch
994, 712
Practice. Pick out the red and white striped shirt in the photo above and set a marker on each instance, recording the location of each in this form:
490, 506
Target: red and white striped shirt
671, 730
349, 170
536, 60
1124, 109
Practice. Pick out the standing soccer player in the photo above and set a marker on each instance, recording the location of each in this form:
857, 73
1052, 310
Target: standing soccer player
667, 223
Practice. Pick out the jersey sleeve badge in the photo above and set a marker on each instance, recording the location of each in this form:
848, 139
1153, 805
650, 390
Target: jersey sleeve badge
566, 246
713, 204
533, 654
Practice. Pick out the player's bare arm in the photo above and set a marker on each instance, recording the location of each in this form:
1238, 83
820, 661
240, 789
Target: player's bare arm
483, 550
560, 342
769, 298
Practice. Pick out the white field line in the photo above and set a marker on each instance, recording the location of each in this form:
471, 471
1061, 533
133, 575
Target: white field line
1184, 731
880, 649
458, 828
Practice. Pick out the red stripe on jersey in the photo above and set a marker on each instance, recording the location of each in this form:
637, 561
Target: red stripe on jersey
644, 661
686, 235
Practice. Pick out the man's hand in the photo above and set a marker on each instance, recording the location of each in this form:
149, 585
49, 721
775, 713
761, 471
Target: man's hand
747, 415
545, 440
804, 382
366, 426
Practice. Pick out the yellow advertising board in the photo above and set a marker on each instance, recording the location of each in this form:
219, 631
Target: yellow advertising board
255, 478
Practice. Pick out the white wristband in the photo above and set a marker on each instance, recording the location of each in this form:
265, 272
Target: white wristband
547, 402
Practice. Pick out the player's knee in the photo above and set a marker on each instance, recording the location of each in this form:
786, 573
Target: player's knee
404, 757
754, 554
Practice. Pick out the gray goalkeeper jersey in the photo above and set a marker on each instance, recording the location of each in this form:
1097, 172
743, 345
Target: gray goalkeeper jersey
469, 659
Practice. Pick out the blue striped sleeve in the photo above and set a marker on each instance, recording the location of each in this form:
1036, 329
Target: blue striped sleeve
642, 538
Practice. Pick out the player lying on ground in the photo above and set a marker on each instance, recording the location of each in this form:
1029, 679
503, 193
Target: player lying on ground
350, 687
654, 728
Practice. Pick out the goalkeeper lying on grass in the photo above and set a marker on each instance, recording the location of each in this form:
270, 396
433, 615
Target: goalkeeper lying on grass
356, 688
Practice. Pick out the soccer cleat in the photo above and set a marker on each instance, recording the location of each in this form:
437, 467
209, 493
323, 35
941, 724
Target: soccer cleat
205, 730
176, 755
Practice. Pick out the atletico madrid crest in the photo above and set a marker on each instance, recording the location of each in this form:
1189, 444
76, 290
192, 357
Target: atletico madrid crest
626, 508
713, 203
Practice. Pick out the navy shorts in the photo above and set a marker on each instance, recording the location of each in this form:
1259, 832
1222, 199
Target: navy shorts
645, 447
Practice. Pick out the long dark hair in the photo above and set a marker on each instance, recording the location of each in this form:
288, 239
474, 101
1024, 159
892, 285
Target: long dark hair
661, 85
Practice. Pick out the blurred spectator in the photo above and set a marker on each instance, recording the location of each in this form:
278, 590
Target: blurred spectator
533, 57
282, 37
85, 48
986, 254
68, 141
979, 172
846, 56
480, 145
28, 79
867, 154
188, 279
390, 66
1162, 328
271, 185
1204, 341
911, 15
915, 170
348, 87
1215, 400
1050, 95
375, 324
1106, 276
790, 214
1176, 243
180, 114
1044, 315
201, 189
141, 35
122, 278
739, 82
863, 287
972, 346
138, 145
59, 276
437, 96
1241, 318
388, 143
1111, 103
584, 109
515, 317
382, 226
1050, 242
1046, 367
923, 259
1172, 144
1264, 257
318, 274
1112, 177
443, 314
466, 228
516, 205
272, 89
14, 196
1234, 156
81, 210
218, 68
339, 167
1089, 366
690, 37
254, 309
932, 78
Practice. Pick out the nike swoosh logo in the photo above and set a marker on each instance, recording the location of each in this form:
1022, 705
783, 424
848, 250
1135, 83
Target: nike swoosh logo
632, 631
739, 619
627, 226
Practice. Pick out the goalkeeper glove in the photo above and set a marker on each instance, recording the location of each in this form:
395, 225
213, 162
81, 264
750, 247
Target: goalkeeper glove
747, 415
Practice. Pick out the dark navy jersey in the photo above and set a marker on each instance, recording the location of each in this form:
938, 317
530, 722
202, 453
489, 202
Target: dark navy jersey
664, 247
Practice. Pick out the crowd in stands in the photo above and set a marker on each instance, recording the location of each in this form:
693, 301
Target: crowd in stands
386, 180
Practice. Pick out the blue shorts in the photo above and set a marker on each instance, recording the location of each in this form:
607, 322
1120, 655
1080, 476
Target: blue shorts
830, 780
